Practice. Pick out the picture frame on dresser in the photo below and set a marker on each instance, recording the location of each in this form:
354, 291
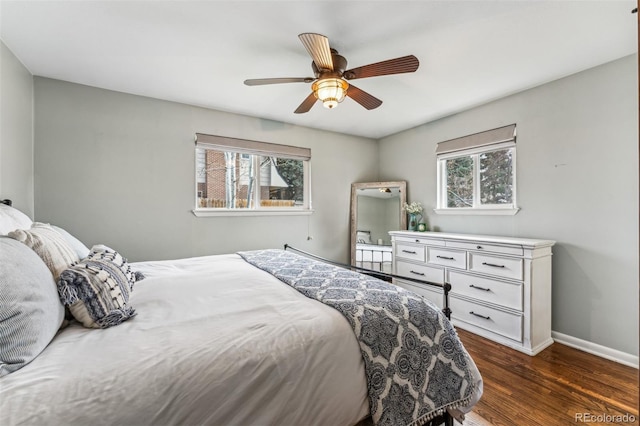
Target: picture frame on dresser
500, 286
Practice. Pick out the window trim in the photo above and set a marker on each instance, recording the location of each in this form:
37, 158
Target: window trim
477, 208
255, 149
217, 212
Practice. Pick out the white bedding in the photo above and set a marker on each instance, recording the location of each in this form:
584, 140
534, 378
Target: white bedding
230, 345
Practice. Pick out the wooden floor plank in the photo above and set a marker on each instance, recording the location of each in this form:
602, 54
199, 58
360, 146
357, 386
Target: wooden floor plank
551, 388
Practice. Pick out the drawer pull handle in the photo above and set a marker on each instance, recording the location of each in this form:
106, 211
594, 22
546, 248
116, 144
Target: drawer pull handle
478, 315
445, 257
493, 264
418, 273
479, 247
479, 288
409, 251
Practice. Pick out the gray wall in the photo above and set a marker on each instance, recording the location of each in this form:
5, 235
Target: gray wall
16, 131
577, 183
119, 169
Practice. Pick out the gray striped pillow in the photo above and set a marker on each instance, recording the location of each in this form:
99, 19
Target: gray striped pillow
31, 311
49, 244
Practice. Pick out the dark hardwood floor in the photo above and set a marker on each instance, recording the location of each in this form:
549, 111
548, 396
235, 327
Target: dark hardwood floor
559, 386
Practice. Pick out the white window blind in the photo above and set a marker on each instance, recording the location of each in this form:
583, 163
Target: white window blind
476, 140
224, 143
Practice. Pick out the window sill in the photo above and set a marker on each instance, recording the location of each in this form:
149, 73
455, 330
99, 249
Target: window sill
478, 212
250, 212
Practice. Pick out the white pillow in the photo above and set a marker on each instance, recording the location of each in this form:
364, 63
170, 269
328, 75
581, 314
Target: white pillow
49, 244
81, 250
363, 237
12, 219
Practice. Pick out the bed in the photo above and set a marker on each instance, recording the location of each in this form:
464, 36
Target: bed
236, 339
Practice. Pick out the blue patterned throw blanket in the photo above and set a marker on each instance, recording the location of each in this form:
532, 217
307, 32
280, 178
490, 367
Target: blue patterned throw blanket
416, 366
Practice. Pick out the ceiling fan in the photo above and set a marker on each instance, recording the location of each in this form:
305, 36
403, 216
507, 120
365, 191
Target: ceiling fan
329, 85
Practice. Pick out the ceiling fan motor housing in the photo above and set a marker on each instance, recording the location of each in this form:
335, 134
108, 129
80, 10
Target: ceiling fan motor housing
339, 65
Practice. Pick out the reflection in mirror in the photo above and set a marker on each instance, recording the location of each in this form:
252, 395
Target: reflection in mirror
376, 209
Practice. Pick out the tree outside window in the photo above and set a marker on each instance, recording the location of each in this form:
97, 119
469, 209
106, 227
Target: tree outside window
477, 179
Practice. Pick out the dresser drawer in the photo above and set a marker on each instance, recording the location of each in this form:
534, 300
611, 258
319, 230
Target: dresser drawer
420, 272
485, 289
449, 258
420, 240
500, 322
490, 248
433, 294
410, 251
506, 267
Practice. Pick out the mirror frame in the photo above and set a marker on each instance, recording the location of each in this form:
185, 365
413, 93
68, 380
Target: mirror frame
401, 184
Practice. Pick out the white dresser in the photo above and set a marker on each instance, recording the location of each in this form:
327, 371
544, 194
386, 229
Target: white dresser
500, 286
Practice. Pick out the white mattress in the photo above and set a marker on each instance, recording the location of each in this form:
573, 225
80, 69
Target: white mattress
215, 341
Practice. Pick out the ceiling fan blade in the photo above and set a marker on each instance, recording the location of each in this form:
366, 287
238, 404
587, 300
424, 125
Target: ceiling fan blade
318, 47
306, 105
392, 66
363, 98
261, 81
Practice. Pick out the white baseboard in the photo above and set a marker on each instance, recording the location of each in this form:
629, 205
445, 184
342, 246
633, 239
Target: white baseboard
596, 349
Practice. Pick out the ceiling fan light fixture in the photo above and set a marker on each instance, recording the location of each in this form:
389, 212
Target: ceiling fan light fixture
331, 91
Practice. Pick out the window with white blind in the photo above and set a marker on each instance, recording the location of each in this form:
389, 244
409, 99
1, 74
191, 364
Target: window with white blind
477, 173
239, 176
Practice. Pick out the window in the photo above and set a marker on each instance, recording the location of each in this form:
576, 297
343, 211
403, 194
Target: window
237, 176
476, 173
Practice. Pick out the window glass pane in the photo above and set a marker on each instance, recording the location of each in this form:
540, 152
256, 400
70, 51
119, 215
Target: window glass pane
496, 177
460, 182
281, 182
224, 179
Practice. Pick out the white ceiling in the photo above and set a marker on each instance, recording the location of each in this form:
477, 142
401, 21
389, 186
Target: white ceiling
200, 52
